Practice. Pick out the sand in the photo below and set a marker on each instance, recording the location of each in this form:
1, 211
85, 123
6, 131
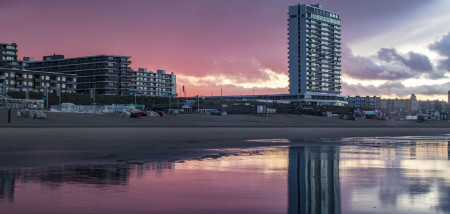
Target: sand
93, 139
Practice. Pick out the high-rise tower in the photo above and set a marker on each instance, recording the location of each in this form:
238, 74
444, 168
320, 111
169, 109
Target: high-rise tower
314, 51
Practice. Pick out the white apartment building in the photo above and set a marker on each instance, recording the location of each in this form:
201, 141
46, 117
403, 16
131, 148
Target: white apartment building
315, 54
148, 83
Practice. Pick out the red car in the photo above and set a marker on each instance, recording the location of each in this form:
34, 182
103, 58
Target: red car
135, 115
143, 114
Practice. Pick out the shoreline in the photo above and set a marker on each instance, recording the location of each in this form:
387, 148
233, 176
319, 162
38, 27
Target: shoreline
31, 147
68, 138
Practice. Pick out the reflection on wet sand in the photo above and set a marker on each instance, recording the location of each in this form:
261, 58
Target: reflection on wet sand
7, 182
352, 175
55, 177
314, 180
395, 176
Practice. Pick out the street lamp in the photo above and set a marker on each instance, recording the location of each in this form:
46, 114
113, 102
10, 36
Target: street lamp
58, 93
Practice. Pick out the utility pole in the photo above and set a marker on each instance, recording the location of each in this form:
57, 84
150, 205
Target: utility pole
198, 102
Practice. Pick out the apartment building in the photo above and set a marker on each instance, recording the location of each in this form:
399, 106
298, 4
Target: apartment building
8, 55
315, 54
107, 74
365, 102
154, 84
35, 81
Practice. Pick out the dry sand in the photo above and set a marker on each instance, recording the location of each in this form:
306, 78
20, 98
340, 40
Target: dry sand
83, 138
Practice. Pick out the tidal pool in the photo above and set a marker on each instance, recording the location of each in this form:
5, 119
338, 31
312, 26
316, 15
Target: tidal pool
350, 175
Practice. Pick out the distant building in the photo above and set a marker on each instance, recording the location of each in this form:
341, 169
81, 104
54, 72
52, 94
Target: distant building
414, 104
107, 74
448, 99
406, 105
432, 106
35, 81
364, 102
315, 55
159, 84
448, 102
8, 55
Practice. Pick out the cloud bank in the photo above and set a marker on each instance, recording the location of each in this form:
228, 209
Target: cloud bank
393, 68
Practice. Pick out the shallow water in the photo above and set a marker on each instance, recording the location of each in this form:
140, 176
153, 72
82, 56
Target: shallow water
351, 175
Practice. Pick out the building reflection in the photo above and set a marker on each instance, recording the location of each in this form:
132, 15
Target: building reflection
313, 178
76, 174
7, 182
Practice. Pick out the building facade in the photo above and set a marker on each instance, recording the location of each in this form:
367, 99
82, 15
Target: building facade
106, 74
35, 81
8, 55
365, 102
314, 51
159, 84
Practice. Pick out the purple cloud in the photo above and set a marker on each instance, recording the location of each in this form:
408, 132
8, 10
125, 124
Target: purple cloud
443, 48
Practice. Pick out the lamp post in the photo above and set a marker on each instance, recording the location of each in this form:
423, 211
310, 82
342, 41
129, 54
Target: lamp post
170, 103
58, 93
198, 103
46, 94
267, 107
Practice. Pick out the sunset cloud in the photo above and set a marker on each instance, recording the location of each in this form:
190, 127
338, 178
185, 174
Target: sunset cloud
273, 81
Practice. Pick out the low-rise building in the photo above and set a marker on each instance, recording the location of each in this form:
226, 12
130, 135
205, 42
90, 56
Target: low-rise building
35, 81
365, 102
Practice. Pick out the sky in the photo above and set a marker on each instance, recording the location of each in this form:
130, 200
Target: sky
389, 48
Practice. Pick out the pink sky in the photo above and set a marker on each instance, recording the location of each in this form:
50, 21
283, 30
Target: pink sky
237, 45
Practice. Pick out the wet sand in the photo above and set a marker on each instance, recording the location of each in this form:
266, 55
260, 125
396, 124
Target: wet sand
84, 139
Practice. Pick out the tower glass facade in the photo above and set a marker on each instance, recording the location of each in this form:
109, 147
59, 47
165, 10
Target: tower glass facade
314, 51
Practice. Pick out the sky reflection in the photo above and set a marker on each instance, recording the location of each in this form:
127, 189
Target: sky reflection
364, 175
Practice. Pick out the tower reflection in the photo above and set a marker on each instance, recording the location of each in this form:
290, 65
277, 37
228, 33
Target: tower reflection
313, 179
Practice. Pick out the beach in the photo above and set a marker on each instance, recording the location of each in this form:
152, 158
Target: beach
67, 138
